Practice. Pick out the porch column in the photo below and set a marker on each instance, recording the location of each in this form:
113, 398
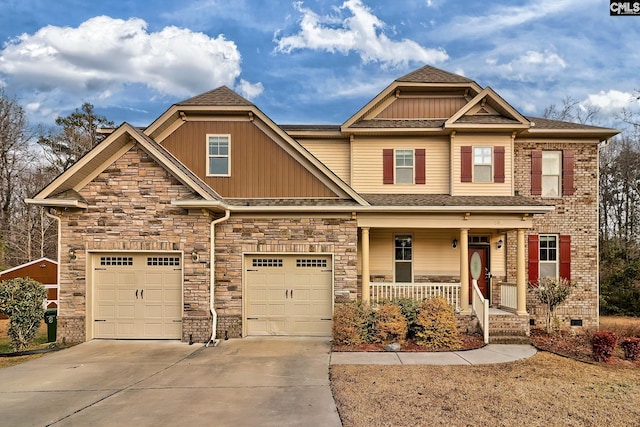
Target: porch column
366, 293
521, 280
463, 242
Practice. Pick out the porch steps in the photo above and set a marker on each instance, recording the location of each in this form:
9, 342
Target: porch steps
508, 328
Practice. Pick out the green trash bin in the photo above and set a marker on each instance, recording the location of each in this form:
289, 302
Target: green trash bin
51, 319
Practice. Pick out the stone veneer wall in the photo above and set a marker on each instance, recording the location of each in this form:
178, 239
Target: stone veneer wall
130, 210
240, 235
576, 215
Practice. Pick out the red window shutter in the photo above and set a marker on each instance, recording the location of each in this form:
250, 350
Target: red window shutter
420, 166
567, 172
534, 254
498, 164
565, 257
536, 173
465, 164
387, 166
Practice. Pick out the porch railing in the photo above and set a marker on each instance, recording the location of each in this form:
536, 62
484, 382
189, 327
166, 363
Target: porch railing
480, 307
417, 291
508, 295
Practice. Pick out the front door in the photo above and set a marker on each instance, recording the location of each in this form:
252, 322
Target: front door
483, 267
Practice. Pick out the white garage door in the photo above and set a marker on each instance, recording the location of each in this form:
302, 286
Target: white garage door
137, 296
288, 295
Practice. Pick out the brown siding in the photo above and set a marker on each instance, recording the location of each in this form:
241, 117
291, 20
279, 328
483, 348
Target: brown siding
47, 275
423, 108
259, 167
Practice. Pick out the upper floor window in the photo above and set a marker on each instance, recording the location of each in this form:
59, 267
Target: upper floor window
218, 155
551, 173
482, 162
404, 166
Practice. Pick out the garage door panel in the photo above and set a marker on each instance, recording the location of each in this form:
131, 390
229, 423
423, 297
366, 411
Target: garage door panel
288, 295
137, 296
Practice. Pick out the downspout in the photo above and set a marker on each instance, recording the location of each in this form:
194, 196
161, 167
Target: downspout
56, 219
212, 271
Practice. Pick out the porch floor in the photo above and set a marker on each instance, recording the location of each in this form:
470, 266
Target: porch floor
498, 312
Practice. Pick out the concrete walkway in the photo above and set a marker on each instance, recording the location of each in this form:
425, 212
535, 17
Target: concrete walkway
489, 354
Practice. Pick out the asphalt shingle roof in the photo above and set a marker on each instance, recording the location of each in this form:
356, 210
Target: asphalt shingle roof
429, 74
447, 200
222, 96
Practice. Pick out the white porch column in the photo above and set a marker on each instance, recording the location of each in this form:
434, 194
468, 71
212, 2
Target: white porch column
463, 243
366, 293
521, 280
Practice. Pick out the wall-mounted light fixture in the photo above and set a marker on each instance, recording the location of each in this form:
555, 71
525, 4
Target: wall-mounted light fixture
500, 243
454, 244
72, 255
195, 256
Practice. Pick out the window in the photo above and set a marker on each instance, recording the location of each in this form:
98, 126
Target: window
317, 263
404, 166
404, 258
116, 260
164, 261
551, 173
218, 157
548, 256
482, 164
266, 262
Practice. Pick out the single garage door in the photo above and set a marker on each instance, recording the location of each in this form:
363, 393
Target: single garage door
289, 295
137, 296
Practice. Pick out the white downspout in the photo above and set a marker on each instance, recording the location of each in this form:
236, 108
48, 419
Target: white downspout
212, 271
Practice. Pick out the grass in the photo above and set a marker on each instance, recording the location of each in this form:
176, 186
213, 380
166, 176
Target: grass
5, 345
546, 389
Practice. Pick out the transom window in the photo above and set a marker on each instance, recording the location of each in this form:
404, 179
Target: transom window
218, 158
404, 166
404, 258
551, 173
548, 256
482, 161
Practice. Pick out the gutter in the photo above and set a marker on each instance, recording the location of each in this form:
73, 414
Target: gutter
212, 272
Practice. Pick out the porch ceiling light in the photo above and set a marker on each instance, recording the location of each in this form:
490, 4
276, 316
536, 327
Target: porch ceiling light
500, 243
454, 244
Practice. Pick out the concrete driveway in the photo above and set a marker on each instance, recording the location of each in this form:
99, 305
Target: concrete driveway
248, 382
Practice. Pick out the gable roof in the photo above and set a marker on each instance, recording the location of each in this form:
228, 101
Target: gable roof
63, 190
508, 116
27, 264
429, 74
222, 96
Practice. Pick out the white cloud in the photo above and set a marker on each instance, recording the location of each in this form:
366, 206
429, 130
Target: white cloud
249, 90
103, 56
613, 100
361, 32
530, 67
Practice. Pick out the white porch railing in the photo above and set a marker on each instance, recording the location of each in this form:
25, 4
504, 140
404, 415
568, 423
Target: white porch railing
417, 291
481, 309
509, 295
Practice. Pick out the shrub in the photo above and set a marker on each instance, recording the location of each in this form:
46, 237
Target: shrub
552, 292
352, 324
631, 347
22, 300
410, 309
437, 327
389, 325
602, 345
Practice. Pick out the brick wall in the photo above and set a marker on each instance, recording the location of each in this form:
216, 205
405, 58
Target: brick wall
576, 215
237, 236
130, 210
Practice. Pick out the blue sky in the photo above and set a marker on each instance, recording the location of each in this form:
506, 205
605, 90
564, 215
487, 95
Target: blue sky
316, 61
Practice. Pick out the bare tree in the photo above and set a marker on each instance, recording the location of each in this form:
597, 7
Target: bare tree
572, 110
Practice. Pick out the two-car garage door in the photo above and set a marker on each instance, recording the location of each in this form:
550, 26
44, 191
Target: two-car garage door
137, 296
288, 294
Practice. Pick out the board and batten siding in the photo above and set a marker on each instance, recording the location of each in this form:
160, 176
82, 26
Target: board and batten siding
459, 188
423, 108
367, 170
259, 166
333, 153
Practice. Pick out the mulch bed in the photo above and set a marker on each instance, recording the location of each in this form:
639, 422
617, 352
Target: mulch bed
469, 342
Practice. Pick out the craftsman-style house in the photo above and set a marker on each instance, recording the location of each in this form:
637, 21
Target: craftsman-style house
215, 217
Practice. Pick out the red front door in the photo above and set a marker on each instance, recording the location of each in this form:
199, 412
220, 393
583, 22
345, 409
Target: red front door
483, 278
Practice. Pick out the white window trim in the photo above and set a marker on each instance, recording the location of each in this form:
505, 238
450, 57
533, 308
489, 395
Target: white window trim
473, 164
559, 175
557, 261
413, 255
395, 166
207, 156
